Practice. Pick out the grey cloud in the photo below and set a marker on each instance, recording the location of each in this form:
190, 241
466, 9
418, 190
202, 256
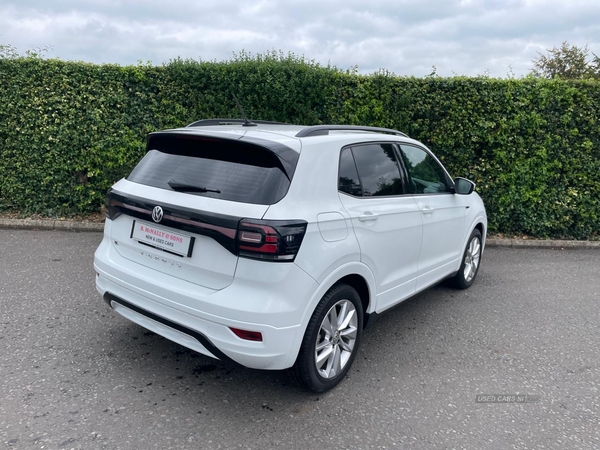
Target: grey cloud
466, 37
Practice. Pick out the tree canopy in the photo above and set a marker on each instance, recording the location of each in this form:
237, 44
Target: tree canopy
567, 62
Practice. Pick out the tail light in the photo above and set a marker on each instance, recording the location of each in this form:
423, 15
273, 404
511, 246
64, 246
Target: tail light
272, 240
111, 205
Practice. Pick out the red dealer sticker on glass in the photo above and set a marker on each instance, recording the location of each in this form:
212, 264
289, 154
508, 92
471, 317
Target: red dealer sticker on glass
162, 238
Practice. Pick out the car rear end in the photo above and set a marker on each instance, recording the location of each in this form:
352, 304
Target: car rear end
186, 252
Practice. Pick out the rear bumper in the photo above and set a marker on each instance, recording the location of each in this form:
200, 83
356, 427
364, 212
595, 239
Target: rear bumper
165, 327
266, 297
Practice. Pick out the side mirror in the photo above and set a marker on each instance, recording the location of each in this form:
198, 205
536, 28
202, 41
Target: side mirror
462, 186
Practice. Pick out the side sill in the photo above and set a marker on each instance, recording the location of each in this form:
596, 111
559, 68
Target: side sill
372, 318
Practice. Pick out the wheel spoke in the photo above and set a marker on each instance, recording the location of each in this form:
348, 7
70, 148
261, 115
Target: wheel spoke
337, 361
346, 320
321, 345
477, 247
324, 356
467, 271
329, 368
326, 327
476, 254
349, 333
333, 319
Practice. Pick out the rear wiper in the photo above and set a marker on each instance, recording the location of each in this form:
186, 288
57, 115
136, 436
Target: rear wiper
182, 187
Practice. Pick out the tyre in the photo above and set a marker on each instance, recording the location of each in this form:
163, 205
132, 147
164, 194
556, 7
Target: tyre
331, 340
470, 262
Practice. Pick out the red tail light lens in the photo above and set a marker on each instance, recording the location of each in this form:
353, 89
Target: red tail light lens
274, 240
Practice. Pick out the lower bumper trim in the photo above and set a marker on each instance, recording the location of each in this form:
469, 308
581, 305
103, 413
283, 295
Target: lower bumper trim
108, 298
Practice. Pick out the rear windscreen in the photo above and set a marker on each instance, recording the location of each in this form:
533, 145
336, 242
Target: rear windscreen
240, 172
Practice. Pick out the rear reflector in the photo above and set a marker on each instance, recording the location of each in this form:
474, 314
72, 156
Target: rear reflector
247, 335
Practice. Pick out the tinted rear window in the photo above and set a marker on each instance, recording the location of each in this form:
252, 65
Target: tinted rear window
378, 170
241, 172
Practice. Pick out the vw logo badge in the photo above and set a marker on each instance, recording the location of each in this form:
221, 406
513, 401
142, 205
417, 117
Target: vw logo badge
157, 214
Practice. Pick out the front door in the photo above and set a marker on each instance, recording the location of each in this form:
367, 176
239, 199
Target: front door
386, 220
442, 212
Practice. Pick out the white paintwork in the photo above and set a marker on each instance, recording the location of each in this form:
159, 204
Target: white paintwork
389, 231
443, 218
210, 265
332, 226
392, 243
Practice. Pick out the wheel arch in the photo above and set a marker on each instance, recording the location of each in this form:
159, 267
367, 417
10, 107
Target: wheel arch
355, 274
362, 288
482, 229
480, 223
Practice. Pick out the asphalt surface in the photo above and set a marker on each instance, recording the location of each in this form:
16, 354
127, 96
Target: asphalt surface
75, 375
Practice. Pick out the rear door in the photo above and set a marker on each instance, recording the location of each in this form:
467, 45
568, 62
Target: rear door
178, 211
386, 220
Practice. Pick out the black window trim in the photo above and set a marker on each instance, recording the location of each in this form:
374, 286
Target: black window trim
401, 170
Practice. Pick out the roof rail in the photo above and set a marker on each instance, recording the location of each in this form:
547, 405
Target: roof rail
212, 122
322, 130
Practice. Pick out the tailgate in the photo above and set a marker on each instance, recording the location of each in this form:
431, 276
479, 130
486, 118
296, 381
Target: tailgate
188, 237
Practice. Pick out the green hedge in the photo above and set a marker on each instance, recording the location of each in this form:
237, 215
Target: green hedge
68, 130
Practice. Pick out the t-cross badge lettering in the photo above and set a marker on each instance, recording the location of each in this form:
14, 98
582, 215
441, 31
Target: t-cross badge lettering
282, 242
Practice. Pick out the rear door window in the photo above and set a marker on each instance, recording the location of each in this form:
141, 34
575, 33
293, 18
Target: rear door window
227, 169
378, 170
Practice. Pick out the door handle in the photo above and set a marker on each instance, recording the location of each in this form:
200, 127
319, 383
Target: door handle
367, 217
427, 210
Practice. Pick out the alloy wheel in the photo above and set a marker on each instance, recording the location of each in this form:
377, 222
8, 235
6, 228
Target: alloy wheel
472, 259
336, 339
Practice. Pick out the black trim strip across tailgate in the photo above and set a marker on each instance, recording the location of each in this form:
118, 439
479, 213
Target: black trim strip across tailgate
220, 227
108, 298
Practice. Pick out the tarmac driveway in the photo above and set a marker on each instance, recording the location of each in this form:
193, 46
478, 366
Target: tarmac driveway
73, 374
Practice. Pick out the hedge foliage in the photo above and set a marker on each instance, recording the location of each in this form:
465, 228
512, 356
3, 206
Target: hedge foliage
68, 130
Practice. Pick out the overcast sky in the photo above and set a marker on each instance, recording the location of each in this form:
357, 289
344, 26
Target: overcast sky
462, 37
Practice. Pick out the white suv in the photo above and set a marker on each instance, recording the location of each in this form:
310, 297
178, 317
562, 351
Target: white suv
273, 245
